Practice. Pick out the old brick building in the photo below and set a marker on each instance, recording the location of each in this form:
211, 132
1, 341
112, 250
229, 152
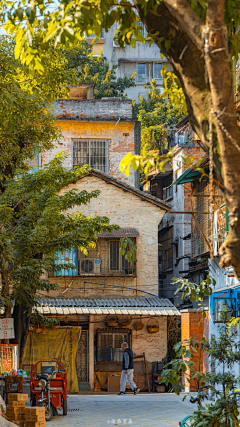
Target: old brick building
99, 132
105, 296
175, 229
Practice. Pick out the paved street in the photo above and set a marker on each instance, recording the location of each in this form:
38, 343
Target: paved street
154, 410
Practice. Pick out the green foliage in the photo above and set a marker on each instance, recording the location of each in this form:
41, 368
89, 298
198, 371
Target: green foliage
173, 91
41, 320
91, 69
195, 292
72, 20
156, 117
36, 225
128, 249
223, 352
27, 125
143, 163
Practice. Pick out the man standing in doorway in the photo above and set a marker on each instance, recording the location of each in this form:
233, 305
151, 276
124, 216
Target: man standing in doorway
127, 370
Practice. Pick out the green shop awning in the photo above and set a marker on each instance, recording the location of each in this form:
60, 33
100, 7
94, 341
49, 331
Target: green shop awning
188, 176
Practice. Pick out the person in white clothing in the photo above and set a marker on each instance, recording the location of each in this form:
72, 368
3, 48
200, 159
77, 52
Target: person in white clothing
127, 370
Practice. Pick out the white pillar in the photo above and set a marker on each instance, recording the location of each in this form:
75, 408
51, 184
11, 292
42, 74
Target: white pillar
91, 352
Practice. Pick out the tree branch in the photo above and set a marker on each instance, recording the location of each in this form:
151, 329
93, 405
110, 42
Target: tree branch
188, 20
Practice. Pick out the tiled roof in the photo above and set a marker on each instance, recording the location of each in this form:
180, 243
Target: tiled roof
123, 232
126, 187
135, 305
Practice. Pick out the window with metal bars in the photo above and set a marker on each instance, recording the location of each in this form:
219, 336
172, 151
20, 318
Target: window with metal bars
117, 262
166, 249
167, 187
109, 345
93, 152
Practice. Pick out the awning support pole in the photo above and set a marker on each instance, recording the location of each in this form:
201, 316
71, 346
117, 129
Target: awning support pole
91, 352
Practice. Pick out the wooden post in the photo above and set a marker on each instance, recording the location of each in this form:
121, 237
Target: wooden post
91, 352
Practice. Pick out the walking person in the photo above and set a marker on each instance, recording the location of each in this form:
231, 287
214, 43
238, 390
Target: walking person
127, 370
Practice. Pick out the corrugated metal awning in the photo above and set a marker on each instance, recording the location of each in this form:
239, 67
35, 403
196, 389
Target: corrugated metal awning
123, 311
150, 306
188, 176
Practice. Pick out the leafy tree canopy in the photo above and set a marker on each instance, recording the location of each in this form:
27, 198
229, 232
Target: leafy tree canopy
157, 117
71, 20
26, 121
35, 224
198, 37
92, 69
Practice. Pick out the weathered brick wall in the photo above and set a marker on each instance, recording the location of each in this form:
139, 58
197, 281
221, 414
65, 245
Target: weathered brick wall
140, 379
191, 328
153, 345
105, 108
122, 139
128, 211
206, 335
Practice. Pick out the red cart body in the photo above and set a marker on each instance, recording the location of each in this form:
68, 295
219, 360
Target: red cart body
58, 385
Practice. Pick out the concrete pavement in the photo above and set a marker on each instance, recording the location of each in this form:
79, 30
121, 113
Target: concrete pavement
143, 410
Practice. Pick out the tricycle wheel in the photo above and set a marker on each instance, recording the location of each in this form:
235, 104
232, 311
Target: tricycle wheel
33, 402
48, 412
64, 407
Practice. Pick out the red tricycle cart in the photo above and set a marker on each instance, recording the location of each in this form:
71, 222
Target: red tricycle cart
49, 387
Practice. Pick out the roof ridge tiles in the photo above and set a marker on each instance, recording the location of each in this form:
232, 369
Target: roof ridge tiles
146, 302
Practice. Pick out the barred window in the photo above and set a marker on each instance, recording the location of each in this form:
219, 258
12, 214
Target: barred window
93, 152
118, 262
166, 249
109, 345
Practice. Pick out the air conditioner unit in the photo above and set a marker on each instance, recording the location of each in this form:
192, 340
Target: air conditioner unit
115, 43
89, 266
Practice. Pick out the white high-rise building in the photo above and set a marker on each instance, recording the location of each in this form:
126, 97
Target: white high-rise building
145, 60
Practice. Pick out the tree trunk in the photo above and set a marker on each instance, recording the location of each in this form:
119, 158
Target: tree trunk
189, 66
176, 21
217, 58
21, 327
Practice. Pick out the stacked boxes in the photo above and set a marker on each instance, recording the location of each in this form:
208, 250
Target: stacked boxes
35, 417
16, 408
24, 417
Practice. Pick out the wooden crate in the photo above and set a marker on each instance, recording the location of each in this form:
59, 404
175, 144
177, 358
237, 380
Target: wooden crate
114, 383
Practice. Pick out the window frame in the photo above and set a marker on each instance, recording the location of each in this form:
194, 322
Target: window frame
228, 302
120, 261
154, 64
100, 332
89, 141
142, 63
166, 256
168, 187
